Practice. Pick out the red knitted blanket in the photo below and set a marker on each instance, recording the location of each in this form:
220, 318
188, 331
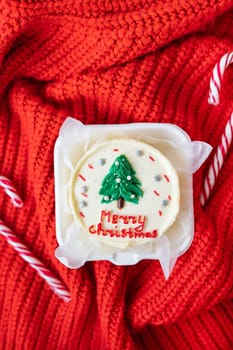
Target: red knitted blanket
112, 61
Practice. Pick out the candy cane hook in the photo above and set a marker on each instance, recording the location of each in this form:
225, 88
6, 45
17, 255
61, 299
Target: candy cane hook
226, 138
56, 285
10, 190
216, 79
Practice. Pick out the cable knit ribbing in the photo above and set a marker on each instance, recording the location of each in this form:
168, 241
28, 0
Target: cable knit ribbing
112, 62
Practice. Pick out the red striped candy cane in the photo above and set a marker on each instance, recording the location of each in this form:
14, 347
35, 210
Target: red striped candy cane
216, 79
11, 191
226, 139
57, 286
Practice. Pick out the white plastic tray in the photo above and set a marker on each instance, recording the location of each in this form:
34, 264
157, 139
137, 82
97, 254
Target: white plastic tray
186, 156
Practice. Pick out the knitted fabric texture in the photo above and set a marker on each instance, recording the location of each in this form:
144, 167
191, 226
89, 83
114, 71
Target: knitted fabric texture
112, 62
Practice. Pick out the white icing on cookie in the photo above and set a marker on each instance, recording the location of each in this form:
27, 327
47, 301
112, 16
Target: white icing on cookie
130, 198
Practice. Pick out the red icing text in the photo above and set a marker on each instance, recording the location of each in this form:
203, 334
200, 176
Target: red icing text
134, 226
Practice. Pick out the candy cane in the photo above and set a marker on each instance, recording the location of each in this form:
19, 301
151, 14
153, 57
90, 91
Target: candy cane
216, 79
226, 139
11, 191
56, 285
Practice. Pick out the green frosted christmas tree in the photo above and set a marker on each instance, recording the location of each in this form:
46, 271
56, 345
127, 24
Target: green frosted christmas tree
121, 184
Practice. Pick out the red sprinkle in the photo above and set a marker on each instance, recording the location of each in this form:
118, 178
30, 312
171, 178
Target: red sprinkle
90, 166
160, 212
84, 194
156, 193
115, 149
81, 213
82, 177
169, 197
166, 178
151, 158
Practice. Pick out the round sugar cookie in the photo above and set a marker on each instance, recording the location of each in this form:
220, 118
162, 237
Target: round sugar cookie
124, 192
